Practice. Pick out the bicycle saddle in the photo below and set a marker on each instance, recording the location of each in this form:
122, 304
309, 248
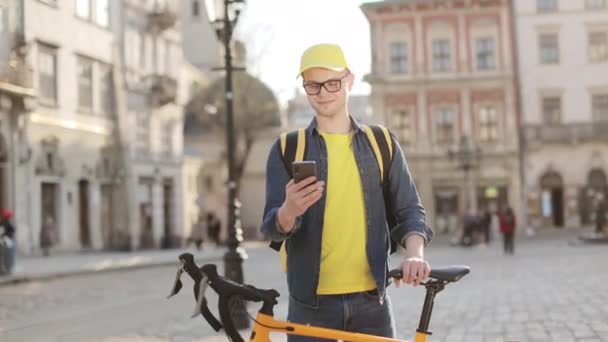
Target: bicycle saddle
450, 273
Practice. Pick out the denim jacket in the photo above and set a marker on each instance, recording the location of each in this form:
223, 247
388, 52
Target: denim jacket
303, 243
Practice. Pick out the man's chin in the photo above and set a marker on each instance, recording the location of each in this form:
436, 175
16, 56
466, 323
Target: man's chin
326, 114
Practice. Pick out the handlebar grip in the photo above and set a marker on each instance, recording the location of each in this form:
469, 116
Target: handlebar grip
231, 332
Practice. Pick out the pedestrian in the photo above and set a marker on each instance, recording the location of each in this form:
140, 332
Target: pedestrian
7, 235
507, 228
600, 216
470, 224
485, 223
214, 228
197, 235
334, 225
48, 236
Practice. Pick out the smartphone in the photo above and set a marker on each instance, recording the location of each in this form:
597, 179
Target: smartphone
303, 169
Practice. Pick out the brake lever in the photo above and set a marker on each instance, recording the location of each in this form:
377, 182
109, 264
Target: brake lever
177, 284
200, 296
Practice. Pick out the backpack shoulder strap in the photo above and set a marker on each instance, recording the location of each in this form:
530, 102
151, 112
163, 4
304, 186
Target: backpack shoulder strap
380, 140
293, 148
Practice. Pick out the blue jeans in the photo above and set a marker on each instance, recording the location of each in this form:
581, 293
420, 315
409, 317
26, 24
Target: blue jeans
357, 312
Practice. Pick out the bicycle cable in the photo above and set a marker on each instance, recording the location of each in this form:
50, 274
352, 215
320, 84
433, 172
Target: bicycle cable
240, 301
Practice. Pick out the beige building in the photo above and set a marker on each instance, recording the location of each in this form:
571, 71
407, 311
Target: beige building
563, 54
99, 156
16, 101
442, 79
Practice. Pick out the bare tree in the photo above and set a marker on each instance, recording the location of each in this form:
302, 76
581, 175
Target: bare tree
255, 108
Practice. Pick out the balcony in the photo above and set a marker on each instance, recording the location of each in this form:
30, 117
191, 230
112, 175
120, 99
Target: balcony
162, 89
16, 77
573, 133
162, 18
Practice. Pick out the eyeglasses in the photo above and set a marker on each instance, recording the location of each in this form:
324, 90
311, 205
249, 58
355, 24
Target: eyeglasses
332, 86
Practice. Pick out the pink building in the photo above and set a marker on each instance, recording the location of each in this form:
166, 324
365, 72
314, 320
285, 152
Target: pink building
443, 78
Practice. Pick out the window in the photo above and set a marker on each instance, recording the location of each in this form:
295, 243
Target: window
83, 9
549, 48
485, 53
106, 90
167, 140
488, 124
100, 15
444, 119
398, 53
142, 133
598, 47
545, 6
403, 125
441, 55
47, 74
195, 8
552, 110
599, 103
143, 52
85, 84
168, 52
596, 4
134, 48
160, 55
102, 12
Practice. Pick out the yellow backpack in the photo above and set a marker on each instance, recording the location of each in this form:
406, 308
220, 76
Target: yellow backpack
293, 148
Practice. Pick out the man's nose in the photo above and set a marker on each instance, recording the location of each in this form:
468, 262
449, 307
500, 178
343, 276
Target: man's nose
323, 91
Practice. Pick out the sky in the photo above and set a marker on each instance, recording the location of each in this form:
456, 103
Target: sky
276, 33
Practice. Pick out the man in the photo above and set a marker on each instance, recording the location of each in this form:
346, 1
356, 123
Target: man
335, 227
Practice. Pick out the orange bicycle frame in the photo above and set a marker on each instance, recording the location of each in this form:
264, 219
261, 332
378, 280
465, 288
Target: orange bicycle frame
265, 324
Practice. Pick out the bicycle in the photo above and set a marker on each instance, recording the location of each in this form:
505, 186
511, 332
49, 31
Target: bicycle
265, 323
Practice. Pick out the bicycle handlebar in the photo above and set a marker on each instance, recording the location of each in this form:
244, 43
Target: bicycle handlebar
228, 290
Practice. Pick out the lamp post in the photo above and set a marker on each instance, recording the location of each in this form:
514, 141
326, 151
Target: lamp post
467, 154
233, 259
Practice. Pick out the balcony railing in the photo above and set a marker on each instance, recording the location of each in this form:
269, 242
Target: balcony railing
567, 133
162, 18
162, 89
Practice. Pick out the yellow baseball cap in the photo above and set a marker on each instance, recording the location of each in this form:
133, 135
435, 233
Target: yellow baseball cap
328, 56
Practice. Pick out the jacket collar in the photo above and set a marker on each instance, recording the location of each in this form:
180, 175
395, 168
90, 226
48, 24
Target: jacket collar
313, 128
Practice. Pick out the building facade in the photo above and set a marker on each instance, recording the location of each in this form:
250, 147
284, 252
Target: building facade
99, 160
563, 54
16, 101
151, 43
442, 80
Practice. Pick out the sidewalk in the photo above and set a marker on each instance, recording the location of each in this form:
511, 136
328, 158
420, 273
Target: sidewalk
79, 263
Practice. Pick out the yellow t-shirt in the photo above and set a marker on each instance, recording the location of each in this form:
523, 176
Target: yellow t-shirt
344, 265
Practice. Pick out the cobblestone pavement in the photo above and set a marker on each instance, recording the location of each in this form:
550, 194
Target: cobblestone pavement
550, 290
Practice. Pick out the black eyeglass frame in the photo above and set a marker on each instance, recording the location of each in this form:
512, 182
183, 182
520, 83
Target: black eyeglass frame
322, 85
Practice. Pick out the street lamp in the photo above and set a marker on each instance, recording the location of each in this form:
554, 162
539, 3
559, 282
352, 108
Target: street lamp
467, 154
224, 23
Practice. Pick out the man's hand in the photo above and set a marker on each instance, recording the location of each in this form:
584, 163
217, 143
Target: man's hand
298, 198
415, 268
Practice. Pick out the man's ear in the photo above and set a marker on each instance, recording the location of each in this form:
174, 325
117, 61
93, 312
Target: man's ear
351, 81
